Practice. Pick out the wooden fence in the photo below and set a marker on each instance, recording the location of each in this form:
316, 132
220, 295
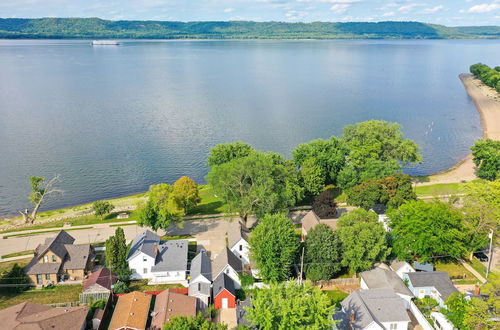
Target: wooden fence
90, 297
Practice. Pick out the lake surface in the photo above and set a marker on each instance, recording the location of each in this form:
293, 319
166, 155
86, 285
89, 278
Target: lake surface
111, 120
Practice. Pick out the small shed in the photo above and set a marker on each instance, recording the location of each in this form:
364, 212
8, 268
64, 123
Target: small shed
122, 215
224, 292
423, 267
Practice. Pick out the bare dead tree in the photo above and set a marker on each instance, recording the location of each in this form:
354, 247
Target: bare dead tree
40, 190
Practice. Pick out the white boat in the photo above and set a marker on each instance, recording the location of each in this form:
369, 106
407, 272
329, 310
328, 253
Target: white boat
105, 43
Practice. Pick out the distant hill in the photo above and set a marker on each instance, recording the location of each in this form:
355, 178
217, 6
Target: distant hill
95, 28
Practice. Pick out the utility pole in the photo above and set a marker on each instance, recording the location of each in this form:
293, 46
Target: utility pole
301, 266
490, 254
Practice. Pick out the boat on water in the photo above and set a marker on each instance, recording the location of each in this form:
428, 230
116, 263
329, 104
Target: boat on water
105, 43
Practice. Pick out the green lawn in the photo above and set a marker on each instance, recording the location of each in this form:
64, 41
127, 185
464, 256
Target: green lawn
336, 296
438, 189
210, 203
7, 265
17, 254
478, 266
143, 286
57, 294
455, 270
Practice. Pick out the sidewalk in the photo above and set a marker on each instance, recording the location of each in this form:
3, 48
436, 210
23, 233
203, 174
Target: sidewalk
473, 271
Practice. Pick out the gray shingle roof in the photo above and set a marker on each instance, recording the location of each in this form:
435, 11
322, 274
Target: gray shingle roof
226, 257
397, 265
199, 288
145, 243
222, 282
201, 264
56, 244
34, 268
375, 305
310, 220
172, 256
235, 233
77, 257
379, 278
440, 280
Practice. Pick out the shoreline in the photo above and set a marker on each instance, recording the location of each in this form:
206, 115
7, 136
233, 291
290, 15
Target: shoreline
487, 103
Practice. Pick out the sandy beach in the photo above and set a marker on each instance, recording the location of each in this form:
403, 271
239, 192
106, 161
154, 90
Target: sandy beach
487, 102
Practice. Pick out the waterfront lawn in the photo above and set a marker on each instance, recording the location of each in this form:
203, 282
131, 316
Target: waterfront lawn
210, 203
438, 189
53, 295
456, 271
143, 286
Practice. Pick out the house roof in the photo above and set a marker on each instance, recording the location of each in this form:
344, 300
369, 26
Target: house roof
77, 256
172, 256
397, 265
131, 311
102, 277
169, 304
439, 280
226, 257
310, 220
374, 305
201, 265
145, 243
379, 278
222, 282
28, 315
199, 289
34, 267
423, 266
235, 233
56, 244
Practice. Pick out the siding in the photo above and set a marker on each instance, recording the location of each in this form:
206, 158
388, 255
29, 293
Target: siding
225, 294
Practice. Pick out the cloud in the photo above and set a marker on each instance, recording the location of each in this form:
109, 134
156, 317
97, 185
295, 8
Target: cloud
341, 1
389, 14
408, 8
432, 10
340, 8
484, 8
229, 10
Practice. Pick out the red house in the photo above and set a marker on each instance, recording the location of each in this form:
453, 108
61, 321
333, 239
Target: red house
224, 292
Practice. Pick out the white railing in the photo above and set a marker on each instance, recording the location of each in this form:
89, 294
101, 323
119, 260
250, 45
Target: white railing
420, 317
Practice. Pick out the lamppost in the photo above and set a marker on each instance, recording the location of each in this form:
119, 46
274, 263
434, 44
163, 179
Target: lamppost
490, 254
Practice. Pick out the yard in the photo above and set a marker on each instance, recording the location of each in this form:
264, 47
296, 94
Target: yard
336, 296
456, 272
143, 286
438, 189
7, 265
210, 203
56, 294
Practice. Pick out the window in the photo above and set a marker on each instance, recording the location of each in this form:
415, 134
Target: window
132, 270
39, 279
47, 276
54, 258
45, 258
241, 247
145, 270
227, 270
394, 326
144, 259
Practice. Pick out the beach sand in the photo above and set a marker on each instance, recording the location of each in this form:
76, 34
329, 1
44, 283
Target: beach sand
487, 102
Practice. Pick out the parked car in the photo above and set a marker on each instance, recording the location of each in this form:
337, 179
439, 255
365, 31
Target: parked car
481, 256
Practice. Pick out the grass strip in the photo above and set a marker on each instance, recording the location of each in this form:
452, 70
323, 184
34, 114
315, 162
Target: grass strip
44, 232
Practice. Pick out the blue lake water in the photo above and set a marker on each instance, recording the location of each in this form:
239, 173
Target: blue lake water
111, 120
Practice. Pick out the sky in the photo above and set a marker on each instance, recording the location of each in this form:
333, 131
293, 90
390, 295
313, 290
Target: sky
446, 12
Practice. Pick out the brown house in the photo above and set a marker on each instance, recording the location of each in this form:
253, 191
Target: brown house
169, 304
58, 260
28, 315
131, 312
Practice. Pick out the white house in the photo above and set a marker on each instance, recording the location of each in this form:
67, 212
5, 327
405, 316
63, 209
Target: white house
156, 260
401, 267
373, 309
436, 285
379, 278
238, 242
230, 264
200, 281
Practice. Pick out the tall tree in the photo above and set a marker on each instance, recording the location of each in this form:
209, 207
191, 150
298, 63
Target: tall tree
486, 154
101, 208
329, 155
273, 247
185, 193
15, 280
366, 194
160, 210
39, 191
324, 205
363, 239
257, 184
484, 313
313, 177
290, 306
116, 255
225, 152
323, 255
456, 308
427, 230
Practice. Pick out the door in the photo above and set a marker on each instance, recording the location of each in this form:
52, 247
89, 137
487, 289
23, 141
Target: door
225, 303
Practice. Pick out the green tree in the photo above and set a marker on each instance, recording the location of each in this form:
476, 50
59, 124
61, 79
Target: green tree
185, 194
324, 205
15, 280
484, 314
257, 184
160, 210
378, 169
457, 304
121, 287
116, 255
102, 208
225, 152
363, 239
39, 191
365, 195
273, 247
197, 322
486, 154
329, 155
481, 206
313, 176
290, 306
427, 230
323, 255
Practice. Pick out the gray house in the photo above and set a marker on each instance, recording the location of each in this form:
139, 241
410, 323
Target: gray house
201, 279
436, 285
379, 278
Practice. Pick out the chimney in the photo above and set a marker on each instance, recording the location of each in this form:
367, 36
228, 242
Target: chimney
352, 317
156, 249
477, 290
